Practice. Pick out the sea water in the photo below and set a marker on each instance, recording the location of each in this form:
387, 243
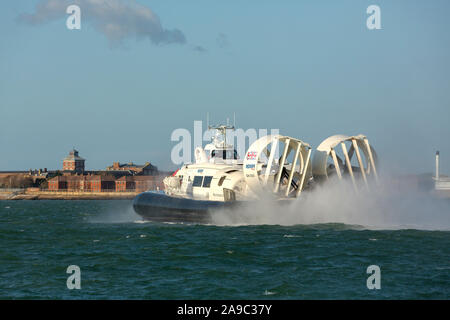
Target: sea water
319, 256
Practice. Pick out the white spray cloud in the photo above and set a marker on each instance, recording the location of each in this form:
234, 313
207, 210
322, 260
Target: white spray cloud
117, 212
382, 207
116, 19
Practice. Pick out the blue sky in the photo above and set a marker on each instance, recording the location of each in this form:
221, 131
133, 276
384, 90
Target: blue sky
309, 68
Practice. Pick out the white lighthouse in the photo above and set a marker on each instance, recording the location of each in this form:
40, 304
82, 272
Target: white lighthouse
437, 166
441, 182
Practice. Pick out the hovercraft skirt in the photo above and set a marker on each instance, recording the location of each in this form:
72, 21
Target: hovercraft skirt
157, 206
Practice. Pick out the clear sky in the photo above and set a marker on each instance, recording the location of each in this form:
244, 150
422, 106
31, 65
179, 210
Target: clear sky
117, 88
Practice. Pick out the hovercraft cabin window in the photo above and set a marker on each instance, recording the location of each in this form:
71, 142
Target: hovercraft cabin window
197, 181
207, 181
221, 180
200, 181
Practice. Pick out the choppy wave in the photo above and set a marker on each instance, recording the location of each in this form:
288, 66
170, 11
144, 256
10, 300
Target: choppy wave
40, 239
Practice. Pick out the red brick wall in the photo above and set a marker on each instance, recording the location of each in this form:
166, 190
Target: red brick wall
123, 185
83, 183
53, 185
73, 165
57, 185
108, 185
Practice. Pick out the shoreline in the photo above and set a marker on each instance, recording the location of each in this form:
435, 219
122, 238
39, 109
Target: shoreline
80, 195
45, 195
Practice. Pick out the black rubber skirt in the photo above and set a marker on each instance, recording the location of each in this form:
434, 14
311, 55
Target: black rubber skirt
157, 206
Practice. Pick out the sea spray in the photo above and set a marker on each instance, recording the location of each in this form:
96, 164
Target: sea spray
117, 212
382, 206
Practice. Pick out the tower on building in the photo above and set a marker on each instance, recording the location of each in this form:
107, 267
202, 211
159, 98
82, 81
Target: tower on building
73, 162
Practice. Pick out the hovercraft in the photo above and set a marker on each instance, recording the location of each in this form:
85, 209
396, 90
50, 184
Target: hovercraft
275, 167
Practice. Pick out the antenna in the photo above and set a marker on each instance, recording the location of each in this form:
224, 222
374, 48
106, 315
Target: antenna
223, 128
207, 120
234, 119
